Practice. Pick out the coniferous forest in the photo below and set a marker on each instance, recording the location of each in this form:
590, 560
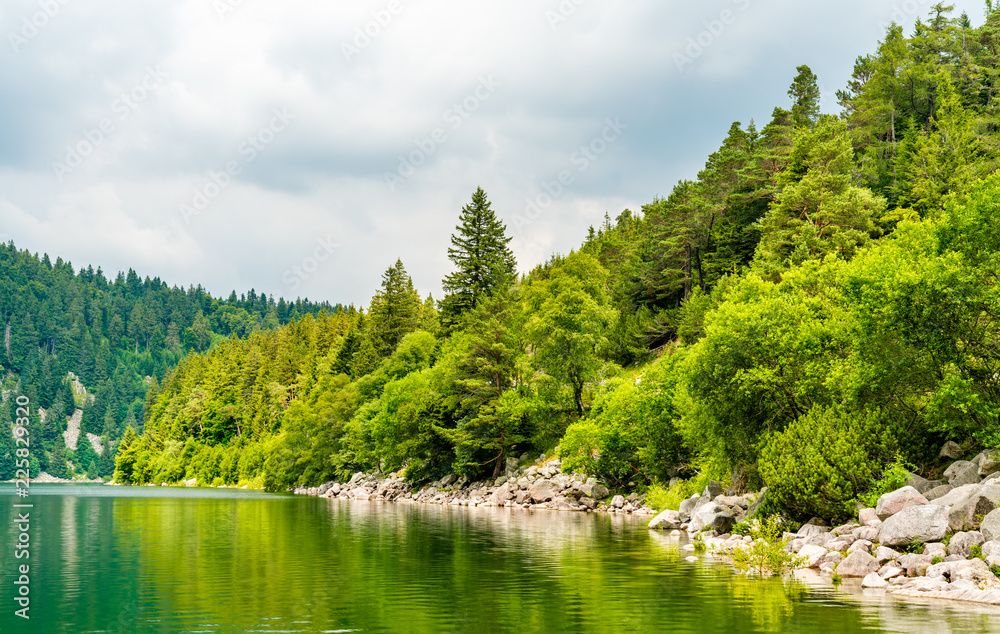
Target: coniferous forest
816, 309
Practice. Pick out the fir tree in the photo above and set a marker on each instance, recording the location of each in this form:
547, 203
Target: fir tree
805, 95
482, 257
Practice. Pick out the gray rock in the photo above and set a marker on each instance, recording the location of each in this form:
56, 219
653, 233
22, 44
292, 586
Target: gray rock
962, 472
884, 554
714, 517
990, 462
915, 565
618, 502
449, 480
923, 523
524, 496
754, 508
920, 484
861, 545
499, 481
991, 549
858, 564
819, 539
895, 501
867, 532
990, 528
938, 492
815, 526
873, 580
833, 558
688, 506
975, 570
502, 494
732, 501
543, 490
814, 556
713, 490
670, 520
967, 514
935, 549
591, 503
845, 529
868, 517
600, 492
950, 451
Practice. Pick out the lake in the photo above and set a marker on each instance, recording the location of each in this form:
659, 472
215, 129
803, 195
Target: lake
143, 559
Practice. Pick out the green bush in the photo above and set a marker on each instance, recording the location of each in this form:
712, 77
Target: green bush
823, 461
766, 556
894, 477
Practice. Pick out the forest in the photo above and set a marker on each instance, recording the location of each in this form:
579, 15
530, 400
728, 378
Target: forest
813, 312
75, 341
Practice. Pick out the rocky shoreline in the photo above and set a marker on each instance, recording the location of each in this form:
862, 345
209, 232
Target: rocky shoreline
541, 486
928, 539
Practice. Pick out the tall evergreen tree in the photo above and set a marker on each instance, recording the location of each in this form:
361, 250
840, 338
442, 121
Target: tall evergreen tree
804, 92
481, 255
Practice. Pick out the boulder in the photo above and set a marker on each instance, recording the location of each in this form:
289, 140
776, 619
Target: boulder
962, 472
617, 502
449, 480
923, 523
990, 462
873, 580
868, 517
670, 520
815, 526
600, 492
688, 506
962, 543
732, 501
543, 490
950, 451
895, 501
814, 556
868, 532
990, 528
858, 564
524, 495
915, 565
936, 549
885, 555
713, 490
917, 482
938, 492
755, 507
591, 503
861, 545
833, 558
502, 494
991, 549
975, 570
714, 517
967, 514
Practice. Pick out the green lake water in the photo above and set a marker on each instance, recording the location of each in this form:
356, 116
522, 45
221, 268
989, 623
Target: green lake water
117, 559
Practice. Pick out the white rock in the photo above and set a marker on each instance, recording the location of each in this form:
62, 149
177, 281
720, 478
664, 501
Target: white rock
872, 580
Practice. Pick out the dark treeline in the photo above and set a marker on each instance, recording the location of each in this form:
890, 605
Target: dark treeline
118, 338
815, 310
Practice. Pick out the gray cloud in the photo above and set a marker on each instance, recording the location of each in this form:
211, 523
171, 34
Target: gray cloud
564, 67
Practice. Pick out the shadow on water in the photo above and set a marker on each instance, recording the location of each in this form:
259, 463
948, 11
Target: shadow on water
117, 559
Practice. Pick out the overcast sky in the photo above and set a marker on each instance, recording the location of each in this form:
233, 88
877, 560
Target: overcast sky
299, 147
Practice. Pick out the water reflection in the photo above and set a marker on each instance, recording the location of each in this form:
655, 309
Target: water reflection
144, 560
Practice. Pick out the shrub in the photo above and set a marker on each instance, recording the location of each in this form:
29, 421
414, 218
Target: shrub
895, 476
823, 461
766, 556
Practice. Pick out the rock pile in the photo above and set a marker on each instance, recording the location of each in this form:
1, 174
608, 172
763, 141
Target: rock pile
540, 486
938, 539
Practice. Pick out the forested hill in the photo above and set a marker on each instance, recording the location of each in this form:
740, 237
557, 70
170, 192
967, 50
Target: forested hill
815, 312
117, 338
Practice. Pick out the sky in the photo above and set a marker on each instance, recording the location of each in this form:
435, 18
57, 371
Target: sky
300, 147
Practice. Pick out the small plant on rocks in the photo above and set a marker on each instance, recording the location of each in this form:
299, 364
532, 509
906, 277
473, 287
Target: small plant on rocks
766, 556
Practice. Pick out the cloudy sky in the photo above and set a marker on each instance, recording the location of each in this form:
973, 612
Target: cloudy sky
299, 147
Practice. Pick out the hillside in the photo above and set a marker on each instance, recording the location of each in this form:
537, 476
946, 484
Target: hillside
814, 312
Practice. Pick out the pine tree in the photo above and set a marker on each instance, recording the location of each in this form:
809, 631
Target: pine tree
805, 95
482, 257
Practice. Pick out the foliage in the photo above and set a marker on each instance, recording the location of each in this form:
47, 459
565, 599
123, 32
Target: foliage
893, 477
766, 555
